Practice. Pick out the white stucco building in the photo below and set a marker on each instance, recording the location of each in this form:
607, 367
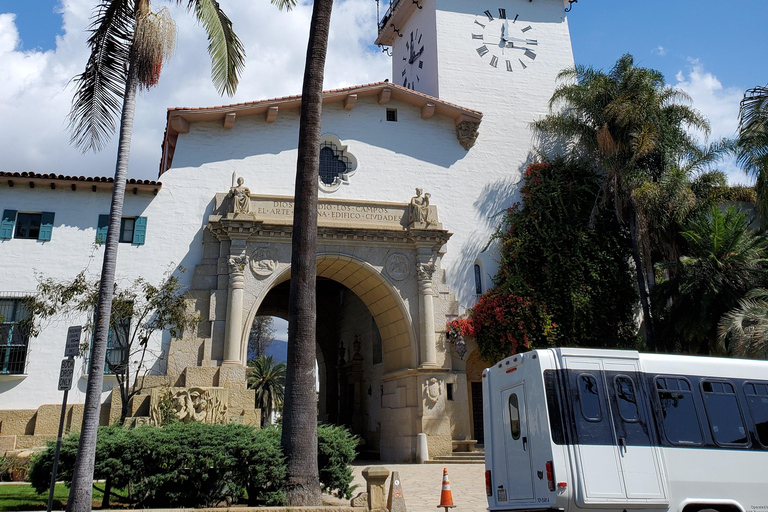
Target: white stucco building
468, 78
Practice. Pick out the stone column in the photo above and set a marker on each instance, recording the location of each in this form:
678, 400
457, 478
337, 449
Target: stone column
426, 314
238, 261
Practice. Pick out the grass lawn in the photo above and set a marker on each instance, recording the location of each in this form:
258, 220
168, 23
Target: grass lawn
24, 497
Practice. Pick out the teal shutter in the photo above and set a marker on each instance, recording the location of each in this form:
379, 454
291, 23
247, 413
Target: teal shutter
140, 230
7, 224
101, 230
46, 226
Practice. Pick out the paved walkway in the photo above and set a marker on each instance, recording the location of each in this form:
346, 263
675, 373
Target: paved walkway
422, 484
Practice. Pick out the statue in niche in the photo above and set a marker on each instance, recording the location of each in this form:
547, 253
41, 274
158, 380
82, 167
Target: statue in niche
241, 197
418, 212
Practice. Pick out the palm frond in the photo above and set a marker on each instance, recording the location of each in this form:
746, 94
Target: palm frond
97, 103
226, 51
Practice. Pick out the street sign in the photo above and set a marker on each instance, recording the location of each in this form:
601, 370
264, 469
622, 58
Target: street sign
73, 341
66, 373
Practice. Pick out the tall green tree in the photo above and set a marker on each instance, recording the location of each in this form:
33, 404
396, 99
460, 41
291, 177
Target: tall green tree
267, 378
634, 128
723, 260
299, 434
580, 274
138, 311
752, 142
129, 44
260, 337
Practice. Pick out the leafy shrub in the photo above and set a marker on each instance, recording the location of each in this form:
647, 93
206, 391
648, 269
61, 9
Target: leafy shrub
336, 448
506, 324
14, 469
197, 464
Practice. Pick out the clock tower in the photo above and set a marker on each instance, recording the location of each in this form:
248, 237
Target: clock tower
496, 56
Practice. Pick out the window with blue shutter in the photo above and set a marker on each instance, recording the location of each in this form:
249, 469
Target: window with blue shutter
101, 230
7, 224
140, 230
46, 226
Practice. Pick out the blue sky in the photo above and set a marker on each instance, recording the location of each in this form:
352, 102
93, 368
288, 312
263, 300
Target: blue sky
727, 38
713, 50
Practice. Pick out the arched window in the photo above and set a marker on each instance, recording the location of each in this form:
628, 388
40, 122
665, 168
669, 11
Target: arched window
478, 280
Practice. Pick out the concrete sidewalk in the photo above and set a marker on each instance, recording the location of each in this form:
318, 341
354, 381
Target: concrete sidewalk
422, 484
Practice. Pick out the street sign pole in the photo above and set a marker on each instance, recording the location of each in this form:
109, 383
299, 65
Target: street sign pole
58, 449
65, 384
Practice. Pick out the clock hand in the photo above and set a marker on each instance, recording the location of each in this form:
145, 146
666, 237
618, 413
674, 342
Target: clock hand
416, 56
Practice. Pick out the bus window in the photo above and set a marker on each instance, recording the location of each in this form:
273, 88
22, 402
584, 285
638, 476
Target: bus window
514, 416
757, 397
626, 398
589, 396
681, 424
723, 413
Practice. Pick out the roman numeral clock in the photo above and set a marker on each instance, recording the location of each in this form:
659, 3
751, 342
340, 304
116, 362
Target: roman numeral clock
504, 42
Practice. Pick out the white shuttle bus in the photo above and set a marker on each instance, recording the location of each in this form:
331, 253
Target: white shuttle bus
607, 430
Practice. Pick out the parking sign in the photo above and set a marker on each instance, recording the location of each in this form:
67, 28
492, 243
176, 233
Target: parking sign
73, 341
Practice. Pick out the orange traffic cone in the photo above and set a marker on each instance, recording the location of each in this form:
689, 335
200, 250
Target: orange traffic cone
446, 499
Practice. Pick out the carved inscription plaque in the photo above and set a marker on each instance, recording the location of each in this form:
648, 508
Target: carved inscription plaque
279, 210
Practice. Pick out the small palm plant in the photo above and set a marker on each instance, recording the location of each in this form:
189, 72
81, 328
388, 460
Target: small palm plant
743, 331
267, 378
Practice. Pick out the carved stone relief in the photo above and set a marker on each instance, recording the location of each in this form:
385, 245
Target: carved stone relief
237, 263
263, 261
425, 271
433, 388
397, 266
206, 405
466, 132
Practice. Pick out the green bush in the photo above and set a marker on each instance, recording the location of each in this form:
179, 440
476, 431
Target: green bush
336, 448
196, 464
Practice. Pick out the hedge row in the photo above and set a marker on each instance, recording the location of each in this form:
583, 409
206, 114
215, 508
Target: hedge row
199, 465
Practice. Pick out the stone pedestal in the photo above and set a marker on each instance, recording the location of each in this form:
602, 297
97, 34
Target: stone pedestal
375, 482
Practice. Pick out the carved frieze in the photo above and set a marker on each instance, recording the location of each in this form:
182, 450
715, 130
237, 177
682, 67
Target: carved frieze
206, 405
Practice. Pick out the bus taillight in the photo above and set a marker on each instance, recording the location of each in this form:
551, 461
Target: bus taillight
488, 486
550, 476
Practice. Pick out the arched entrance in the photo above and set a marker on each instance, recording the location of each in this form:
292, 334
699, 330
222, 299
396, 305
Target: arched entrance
382, 307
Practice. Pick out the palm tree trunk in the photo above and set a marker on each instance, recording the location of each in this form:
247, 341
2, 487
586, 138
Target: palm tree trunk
81, 492
299, 436
642, 285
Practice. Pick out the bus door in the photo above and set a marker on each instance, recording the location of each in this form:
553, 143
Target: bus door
639, 458
617, 459
516, 444
598, 467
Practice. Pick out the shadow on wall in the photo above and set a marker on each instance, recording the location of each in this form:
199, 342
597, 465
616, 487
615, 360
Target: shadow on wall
490, 206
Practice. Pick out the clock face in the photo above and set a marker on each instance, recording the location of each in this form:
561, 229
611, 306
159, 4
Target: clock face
505, 42
413, 62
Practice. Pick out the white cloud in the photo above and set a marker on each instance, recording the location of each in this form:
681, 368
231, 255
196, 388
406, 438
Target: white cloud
659, 50
719, 104
35, 89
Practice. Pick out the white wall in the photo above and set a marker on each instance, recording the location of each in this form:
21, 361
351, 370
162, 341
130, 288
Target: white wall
468, 187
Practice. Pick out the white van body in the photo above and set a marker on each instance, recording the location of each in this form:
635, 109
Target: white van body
581, 429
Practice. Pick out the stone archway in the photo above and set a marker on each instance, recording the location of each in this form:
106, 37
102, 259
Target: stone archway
385, 256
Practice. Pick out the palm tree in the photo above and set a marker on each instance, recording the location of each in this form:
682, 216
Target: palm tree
268, 379
299, 435
129, 44
724, 259
752, 143
634, 128
743, 331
